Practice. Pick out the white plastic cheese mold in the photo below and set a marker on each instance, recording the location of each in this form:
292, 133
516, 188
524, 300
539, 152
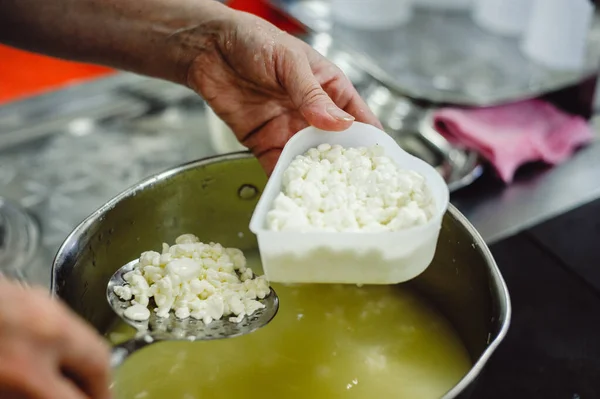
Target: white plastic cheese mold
348, 257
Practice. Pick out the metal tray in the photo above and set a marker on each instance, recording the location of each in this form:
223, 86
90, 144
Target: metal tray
444, 57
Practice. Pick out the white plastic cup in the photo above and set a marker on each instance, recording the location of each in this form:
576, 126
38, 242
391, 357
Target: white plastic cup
371, 14
502, 17
557, 33
222, 137
443, 4
347, 257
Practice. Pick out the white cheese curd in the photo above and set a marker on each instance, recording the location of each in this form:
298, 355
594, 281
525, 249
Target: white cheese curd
193, 279
137, 313
331, 188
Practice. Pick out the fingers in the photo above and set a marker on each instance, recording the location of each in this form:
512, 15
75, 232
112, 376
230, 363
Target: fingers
308, 96
86, 358
39, 339
33, 378
359, 109
340, 89
65, 389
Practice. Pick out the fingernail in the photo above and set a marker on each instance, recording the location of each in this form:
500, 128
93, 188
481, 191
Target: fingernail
339, 114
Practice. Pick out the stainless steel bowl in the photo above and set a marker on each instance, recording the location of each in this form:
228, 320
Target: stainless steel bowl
215, 198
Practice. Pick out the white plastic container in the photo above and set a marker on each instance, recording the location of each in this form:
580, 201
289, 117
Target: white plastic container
502, 17
348, 258
443, 5
557, 33
371, 14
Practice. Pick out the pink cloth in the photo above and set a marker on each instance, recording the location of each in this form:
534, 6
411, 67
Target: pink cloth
510, 135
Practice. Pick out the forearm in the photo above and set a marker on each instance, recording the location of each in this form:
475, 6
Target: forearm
154, 37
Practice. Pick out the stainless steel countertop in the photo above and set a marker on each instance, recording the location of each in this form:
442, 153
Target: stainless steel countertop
58, 159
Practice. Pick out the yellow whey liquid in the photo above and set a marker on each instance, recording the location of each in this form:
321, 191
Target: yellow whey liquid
326, 342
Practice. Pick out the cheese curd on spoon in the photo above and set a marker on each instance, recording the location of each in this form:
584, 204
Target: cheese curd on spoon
193, 279
337, 189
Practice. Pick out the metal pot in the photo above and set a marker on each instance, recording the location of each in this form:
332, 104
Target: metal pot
215, 198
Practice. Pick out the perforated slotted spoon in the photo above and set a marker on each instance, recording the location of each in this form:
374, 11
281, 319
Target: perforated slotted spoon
157, 329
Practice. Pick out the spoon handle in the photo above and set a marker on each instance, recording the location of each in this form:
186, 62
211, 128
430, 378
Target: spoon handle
122, 351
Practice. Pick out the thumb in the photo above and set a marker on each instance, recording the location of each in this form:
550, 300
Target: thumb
311, 100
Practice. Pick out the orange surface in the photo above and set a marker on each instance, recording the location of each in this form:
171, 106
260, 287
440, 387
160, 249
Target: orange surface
262, 9
23, 74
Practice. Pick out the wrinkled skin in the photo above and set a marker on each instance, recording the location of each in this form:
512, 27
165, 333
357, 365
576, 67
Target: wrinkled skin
42, 342
267, 85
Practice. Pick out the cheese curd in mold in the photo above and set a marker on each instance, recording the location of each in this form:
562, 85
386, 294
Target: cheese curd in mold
193, 279
337, 189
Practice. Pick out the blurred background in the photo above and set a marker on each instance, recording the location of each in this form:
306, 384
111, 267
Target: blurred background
499, 95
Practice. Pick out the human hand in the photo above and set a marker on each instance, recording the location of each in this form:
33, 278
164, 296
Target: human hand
267, 85
45, 351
